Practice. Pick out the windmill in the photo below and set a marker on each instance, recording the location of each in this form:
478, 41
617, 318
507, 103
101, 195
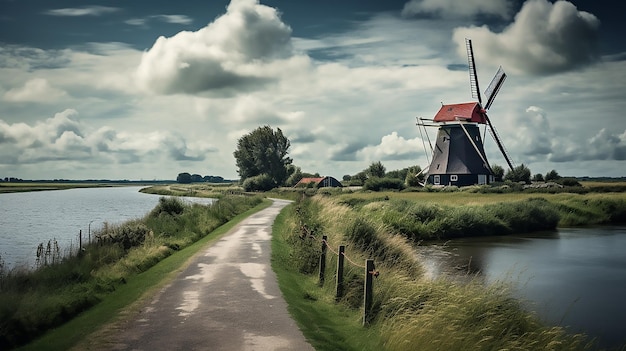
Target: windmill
458, 157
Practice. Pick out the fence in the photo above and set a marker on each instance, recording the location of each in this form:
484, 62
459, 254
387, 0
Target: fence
369, 271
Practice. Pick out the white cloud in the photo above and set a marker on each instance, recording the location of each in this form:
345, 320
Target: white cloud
82, 11
177, 19
65, 137
229, 55
544, 38
534, 136
34, 90
454, 8
391, 147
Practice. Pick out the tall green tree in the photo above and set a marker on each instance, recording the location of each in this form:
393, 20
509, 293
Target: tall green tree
263, 151
376, 169
552, 176
183, 178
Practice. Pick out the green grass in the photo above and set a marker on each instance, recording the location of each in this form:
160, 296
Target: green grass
326, 325
411, 312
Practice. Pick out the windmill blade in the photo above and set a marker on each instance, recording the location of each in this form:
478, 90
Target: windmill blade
494, 87
496, 137
472, 71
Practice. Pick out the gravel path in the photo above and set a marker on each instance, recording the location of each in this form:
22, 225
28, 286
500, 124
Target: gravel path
227, 299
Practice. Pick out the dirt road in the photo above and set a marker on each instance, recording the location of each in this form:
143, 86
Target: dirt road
227, 299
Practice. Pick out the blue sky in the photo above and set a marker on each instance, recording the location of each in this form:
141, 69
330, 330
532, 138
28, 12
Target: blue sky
146, 90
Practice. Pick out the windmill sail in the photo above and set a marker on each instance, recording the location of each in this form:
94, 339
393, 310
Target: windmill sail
494, 87
472, 71
496, 137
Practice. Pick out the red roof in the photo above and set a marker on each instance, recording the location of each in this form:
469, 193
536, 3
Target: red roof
469, 111
310, 180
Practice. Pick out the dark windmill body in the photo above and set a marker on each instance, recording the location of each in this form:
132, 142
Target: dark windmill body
458, 157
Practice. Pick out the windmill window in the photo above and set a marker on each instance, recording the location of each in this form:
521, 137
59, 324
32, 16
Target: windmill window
454, 178
477, 138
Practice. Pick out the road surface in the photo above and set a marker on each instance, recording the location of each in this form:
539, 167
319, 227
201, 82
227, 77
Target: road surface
227, 299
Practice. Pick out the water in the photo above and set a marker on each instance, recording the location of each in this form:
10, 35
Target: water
30, 218
574, 277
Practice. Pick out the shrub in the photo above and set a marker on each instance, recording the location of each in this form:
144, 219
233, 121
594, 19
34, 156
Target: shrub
261, 182
168, 205
378, 184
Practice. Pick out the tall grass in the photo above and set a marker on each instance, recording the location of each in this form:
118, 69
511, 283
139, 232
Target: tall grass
412, 312
32, 302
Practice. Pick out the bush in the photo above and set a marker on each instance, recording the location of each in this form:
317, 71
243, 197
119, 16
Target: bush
378, 184
168, 205
569, 182
261, 182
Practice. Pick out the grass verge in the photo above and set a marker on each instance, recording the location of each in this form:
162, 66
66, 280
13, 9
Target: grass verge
326, 325
410, 311
130, 295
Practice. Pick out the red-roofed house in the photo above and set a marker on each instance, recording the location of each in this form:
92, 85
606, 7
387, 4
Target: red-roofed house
320, 182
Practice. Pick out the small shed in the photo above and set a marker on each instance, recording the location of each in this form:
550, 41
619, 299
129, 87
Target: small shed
321, 182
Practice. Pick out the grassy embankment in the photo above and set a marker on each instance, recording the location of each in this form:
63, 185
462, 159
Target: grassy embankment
410, 311
107, 274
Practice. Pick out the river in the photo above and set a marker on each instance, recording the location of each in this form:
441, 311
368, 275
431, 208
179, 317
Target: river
573, 277
30, 218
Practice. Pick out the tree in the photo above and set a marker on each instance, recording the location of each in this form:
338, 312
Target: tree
552, 176
498, 172
376, 169
538, 177
184, 178
295, 174
263, 151
347, 177
520, 173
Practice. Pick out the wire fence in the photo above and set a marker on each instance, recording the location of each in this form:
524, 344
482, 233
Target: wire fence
369, 271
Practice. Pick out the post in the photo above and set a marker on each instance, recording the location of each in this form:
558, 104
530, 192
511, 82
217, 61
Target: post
323, 260
340, 259
369, 291
80, 241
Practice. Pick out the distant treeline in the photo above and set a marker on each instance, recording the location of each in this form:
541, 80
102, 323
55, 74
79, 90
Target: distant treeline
115, 181
187, 178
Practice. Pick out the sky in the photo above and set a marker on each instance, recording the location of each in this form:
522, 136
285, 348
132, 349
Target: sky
142, 90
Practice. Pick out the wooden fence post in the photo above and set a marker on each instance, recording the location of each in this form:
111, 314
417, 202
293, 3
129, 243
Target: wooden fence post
323, 260
369, 290
340, 258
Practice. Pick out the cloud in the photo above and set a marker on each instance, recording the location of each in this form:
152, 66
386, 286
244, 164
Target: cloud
454, 8
533, 134
34, 90
605, 145
177, 19
391, 148
234, 53
82, 11
174, 19
65, 137
544, 38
